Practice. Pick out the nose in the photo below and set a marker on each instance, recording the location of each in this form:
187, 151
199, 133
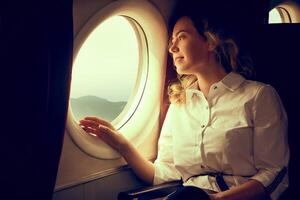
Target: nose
173, 48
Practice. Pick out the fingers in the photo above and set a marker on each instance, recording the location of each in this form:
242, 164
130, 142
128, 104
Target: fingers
106, 134
100, 121
103, 132
104, 129
90, 131
91, 126
95, 130
89, 123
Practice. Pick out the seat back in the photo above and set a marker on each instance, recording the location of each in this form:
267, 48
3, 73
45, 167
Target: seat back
276, 58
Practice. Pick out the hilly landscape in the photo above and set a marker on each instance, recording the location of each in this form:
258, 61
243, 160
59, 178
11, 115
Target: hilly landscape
96, 106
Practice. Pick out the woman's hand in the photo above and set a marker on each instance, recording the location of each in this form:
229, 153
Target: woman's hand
105, 131
250, 190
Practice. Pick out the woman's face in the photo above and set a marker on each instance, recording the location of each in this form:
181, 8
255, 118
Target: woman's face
190, 50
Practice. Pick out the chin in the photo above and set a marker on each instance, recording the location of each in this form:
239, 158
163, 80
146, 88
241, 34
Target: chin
183, 71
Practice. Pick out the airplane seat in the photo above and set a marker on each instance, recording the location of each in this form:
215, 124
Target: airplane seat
276, 67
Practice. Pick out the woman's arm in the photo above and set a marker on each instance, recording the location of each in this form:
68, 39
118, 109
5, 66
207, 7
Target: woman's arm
142, 167
105, 131
251, 190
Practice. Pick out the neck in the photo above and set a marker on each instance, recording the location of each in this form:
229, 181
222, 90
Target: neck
207, 78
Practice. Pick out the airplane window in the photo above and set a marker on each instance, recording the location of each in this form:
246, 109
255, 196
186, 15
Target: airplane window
105, 70
118, 67
279, 15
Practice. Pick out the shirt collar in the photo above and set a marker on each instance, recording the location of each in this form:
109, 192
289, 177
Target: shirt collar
193, 91
232, 81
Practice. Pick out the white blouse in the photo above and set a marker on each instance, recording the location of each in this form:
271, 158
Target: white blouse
239, 130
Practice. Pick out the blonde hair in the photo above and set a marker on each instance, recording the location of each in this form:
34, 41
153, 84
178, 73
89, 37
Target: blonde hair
176, 90
226, 52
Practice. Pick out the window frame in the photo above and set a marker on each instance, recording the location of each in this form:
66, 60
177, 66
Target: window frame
289, 12
283, 13
141, 112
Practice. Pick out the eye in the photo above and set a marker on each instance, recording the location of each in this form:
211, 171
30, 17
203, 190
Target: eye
181, 37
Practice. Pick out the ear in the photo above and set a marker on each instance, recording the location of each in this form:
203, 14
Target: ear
211, 46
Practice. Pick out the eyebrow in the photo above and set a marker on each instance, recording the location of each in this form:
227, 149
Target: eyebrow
180, 31
176, 34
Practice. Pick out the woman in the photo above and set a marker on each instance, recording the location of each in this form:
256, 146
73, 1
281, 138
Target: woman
222, 133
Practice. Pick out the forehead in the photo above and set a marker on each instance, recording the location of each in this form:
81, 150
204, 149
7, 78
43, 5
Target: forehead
183, 24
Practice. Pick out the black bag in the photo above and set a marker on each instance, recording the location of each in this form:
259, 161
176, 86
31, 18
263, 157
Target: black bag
188, 192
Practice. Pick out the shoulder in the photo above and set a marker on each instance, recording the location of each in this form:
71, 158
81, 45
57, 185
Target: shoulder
255, 91
257, 88
175, 108
264, 95
237, 82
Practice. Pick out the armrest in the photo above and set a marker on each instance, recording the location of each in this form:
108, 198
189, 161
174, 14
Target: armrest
150, 192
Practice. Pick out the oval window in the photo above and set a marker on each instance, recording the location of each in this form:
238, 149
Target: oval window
279, 15
105, 70
112, 78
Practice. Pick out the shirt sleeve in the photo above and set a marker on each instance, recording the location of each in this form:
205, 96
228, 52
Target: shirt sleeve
165, 170
271, 151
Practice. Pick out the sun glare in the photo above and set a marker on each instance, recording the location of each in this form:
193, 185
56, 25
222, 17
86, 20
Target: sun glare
274, 17
107, 63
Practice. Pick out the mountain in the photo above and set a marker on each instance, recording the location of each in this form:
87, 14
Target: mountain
96, 106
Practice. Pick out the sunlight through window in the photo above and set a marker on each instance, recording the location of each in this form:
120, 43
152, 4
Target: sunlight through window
274, 17
279, 15
105, 70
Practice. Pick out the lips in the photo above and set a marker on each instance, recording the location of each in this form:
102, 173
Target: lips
178, 58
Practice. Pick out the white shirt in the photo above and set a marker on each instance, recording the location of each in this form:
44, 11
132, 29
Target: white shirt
239, 130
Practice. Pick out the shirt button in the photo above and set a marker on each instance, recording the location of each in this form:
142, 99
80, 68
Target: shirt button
202, 126
206, 107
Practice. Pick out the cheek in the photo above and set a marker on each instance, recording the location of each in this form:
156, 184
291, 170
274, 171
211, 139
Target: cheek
198, 51
193, 53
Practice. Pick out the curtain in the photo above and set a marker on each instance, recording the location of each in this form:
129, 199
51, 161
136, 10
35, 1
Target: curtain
36, 42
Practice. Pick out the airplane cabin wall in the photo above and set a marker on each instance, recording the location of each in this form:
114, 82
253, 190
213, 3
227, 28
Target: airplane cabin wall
81, 176
275, 60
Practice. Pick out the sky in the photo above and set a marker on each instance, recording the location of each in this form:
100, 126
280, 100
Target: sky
107, 63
